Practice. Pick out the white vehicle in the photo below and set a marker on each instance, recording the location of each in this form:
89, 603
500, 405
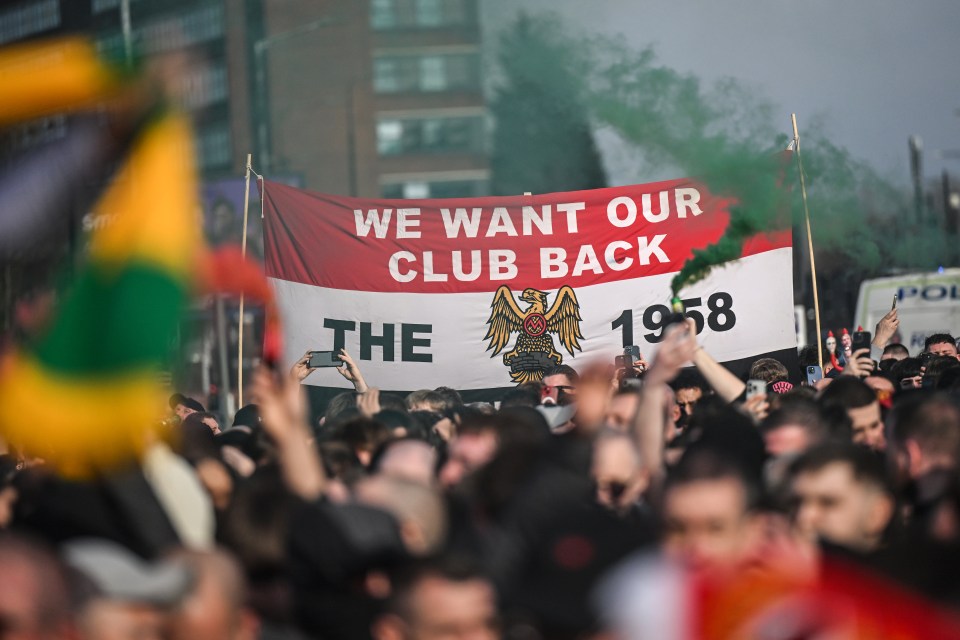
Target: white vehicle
927, 303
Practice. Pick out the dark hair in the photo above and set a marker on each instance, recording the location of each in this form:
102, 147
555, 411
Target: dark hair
690, 379
836, 421
932, 421
203, 415
939, 338
247, 416
563, 370
476, 422
393, 419
256, 524
340, 462
937, 366
906, 368
522, 396
705, 464
363, 434
949, 380
433, 400
866, 464
769, 370
896, 349
523, 436
339, 404
197, 440
8, 470
848, 392
797, 410
189, 403
392, 401
451, 397
808, 356
450, 568
716, 426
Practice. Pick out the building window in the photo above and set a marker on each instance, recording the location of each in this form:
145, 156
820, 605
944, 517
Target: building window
205, 85
429, 13
386, 75
213, 146
99, 6
179, 31
430, 136
389, 137
383, 14
412, 74
29, 18
433, 76
438, 189
421, 14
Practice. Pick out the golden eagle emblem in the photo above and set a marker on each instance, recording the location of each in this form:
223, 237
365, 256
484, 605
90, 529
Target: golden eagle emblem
534, 352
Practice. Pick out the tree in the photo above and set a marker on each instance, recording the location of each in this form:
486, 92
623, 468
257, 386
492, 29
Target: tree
543, 139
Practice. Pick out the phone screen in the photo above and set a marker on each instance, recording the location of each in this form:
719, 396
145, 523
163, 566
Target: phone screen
324, 359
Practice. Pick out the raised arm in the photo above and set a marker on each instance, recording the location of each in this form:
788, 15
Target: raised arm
283, 414
351, 372
650, 422
721, 380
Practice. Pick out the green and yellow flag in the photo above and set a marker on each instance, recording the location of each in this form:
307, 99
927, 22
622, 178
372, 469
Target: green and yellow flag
85, 395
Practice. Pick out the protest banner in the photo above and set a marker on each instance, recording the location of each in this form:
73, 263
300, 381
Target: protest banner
483, 293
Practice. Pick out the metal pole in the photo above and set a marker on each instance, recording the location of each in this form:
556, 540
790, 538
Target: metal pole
127, 31
226, 397
243, 252
813, 263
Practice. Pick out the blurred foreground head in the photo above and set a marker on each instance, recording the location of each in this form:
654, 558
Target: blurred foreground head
215, 606
709, 516
840, 494
118, 595
418, 510
445, 598
34, 598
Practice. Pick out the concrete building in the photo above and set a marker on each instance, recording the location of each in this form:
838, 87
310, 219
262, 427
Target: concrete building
372, 98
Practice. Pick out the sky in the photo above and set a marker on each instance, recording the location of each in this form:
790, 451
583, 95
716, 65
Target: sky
874, 72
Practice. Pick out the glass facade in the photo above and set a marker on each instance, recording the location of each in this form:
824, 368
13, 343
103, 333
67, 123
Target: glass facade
388, 15
435, 189
430, 135
25, 19
426, 73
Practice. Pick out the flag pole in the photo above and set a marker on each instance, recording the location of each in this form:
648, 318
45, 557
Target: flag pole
806, 215
243, 252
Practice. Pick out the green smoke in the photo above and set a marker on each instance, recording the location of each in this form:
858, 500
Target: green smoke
731, 137
714, 134
542, 92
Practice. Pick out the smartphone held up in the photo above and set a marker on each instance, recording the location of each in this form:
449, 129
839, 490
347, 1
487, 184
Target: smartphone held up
321, 359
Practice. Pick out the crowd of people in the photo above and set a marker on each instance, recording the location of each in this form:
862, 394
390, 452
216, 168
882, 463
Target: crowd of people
578, 506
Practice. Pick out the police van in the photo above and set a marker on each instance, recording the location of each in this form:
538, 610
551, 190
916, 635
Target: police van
927, 303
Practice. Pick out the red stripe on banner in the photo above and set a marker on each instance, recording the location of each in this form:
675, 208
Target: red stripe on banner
577, 238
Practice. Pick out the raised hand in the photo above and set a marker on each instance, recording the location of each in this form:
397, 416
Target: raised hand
351, 372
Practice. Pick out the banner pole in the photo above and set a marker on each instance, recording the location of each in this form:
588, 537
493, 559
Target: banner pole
806, 215
243, 252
